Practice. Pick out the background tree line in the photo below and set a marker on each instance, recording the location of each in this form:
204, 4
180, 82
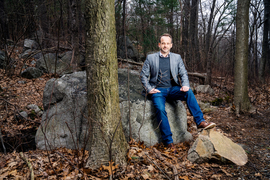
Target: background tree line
203, 31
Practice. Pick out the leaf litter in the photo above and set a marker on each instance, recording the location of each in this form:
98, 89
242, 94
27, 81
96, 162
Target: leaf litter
250, 130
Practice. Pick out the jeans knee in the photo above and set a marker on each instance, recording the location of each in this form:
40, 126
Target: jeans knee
160, 109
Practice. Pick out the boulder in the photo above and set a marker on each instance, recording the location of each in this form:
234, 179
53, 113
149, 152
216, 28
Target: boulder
212, 145
46, 63
205, 89
65, 122
31, 73
62, 63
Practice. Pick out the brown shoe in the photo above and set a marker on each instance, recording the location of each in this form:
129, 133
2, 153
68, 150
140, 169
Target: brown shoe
206, 125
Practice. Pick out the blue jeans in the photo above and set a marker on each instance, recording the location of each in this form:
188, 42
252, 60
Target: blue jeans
174, 93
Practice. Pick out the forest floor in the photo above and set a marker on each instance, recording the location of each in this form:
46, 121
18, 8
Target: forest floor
251, 130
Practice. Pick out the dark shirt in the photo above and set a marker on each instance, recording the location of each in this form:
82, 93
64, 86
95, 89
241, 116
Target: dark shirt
164, 74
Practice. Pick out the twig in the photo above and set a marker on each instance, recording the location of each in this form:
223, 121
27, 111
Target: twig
149, 159
70, 162
2, 141
32, 176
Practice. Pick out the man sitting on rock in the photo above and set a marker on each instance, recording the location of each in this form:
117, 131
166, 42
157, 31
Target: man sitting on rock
160, 77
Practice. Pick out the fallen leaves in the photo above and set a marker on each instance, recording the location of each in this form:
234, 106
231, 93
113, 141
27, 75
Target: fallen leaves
111, 168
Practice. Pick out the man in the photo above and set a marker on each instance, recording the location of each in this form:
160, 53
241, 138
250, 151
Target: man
160, 77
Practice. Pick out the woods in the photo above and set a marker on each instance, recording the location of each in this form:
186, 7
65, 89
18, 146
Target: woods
70, 96
204, 31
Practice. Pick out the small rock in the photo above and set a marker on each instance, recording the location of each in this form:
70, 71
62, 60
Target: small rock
30, 44
21, 82
22, 115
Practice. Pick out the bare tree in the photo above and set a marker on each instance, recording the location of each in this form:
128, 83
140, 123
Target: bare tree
265, 46
241, 99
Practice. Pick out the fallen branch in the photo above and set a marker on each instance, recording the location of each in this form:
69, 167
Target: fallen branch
32, 176
131, 62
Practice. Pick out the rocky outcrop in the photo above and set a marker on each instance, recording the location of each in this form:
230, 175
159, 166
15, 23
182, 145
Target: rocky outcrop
31, 73
65, 122
212, 145
204, 89
132, 52
60, 64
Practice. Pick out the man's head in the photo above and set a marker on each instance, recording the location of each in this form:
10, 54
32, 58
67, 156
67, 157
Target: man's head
165, 35
165, 43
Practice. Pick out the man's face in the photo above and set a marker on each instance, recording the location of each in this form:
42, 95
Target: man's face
165, 45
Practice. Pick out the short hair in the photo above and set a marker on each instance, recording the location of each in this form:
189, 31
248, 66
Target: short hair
165, 34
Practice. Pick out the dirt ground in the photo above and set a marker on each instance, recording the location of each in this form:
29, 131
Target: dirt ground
250, 130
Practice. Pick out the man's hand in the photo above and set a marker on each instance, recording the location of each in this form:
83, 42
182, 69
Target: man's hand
184, 88
154, 91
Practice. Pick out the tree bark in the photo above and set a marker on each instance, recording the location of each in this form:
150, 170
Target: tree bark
209, 47
185, 36
194, 45
102, 85
75, 35
3, 24
241, 99
265, 46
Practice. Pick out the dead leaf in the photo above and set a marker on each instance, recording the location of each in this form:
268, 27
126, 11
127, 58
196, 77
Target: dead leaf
227, 174
257, 174
12, 164
110, 168
216, 176
151, 168
184, 177
145, 176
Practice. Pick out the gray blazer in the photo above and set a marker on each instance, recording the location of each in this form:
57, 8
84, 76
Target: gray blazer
151, 68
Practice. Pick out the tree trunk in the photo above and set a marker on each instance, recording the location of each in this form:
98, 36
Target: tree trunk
194, 45
241, 99
75, 35
265, 46
107, 138
185, 22
209, 47
3, 25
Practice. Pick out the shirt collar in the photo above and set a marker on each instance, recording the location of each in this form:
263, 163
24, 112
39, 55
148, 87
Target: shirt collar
161, 55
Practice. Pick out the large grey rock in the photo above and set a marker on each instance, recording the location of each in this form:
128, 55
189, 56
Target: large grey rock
31, 73
212, 145
205, 89
65, 122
